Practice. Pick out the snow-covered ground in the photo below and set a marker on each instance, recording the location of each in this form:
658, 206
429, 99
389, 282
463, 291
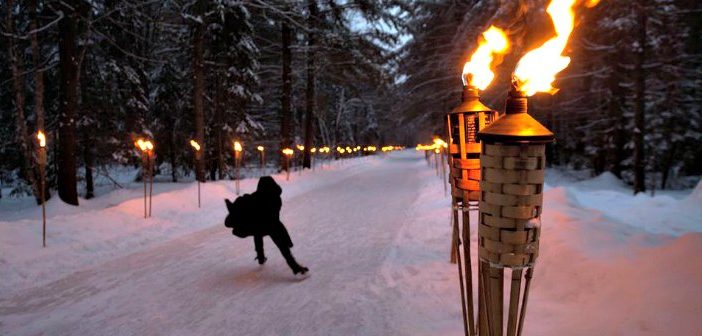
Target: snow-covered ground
375, 233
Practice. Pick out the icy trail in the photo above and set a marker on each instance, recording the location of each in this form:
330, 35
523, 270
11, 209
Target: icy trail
375, 234
208, 283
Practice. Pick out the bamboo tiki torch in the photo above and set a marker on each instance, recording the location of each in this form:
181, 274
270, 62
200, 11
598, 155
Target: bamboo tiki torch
301, 148
463, 123
41, 137
288, 153
150, 163
237, 162
313, 150
141, 145
198, 157
261, 150
513, 160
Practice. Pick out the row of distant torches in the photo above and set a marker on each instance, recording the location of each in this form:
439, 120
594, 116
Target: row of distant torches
497, 167
146, 148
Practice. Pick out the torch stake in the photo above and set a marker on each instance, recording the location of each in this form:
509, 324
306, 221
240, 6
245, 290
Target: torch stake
287, 171
436, 163
197, 163
42, 164
514, 301
151, 180
529, 274
263, 163
460, 274
237, 163
143, 177
443, 170
469, 265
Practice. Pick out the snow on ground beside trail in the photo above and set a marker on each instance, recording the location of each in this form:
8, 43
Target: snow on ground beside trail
113, 224
378, 246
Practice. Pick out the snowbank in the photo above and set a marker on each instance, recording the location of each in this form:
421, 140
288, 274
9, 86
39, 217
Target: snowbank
113, 224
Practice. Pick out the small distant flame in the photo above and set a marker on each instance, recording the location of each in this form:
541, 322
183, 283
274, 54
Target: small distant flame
260, 148
313, 150
42, 139
478, 71
288, 151
537, 70
144, 145
195, 145
237, 146
438, 142
300, 147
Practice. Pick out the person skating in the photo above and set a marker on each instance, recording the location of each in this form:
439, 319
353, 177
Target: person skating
258, 215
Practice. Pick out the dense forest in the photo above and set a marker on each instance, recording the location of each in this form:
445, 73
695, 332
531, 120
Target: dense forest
96, 75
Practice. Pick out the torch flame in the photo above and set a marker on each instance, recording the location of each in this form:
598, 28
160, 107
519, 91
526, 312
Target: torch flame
195, 145
237, 146
288, 151
260, 148
141, 144
42, 139
477, 70
538, 68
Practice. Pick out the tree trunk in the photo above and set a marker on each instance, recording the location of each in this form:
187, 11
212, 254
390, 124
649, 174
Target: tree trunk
640, 109
68, 102
23, 139
219, 123
199, 89
286, 113
172, 149
310, 96
38, 80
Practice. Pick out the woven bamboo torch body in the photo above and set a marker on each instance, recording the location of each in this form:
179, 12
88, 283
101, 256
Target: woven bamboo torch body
463, 124
512, 163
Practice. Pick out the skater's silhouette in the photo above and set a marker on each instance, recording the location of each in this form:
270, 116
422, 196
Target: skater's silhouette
258, 215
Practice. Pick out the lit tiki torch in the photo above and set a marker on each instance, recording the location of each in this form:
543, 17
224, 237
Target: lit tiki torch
288, 152
262, 150
439, 146
41, 139
301, 148
198, 157
513, 162
146, 147
237, 162
463, 124
313, 150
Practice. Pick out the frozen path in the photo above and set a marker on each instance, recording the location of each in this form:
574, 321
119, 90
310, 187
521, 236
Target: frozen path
207, 282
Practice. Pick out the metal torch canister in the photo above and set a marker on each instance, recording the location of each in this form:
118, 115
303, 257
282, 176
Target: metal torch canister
463, 124
512, 164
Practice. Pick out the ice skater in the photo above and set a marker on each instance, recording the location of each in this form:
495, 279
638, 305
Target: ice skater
258, 215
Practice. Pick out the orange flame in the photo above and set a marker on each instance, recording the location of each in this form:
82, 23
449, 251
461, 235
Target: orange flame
260, 148
477, 70
42, 139
537, 70
288, 151
237, 146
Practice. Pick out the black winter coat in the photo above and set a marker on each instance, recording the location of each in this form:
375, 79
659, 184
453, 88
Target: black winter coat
265, 211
